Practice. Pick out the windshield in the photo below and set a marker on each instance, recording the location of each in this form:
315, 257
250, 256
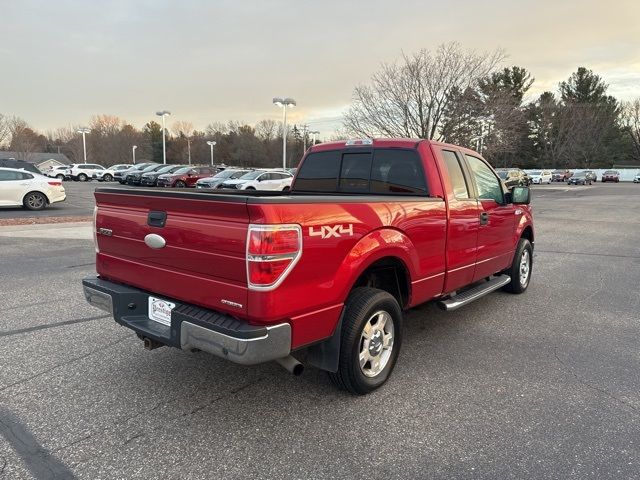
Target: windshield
610, 172
251, 175
502, 175
579, 174
150, 168
535, 172
168, 169
182, 170
225, 174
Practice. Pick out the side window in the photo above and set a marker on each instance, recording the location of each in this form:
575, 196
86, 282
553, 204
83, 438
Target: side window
488, 185
8, 175
264, 177
26, 176
354, 175
319, 172
458, 183
397, 171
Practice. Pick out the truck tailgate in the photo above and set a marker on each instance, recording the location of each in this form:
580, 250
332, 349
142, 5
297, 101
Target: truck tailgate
203, 261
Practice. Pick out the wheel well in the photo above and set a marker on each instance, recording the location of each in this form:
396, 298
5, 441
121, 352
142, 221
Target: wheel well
528, 234
389, 274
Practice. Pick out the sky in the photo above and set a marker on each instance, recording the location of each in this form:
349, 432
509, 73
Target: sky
63, 61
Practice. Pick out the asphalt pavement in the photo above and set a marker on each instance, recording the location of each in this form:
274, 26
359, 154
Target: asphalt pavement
541, 385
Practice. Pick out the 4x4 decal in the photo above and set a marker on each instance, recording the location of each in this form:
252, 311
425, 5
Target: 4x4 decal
328, 231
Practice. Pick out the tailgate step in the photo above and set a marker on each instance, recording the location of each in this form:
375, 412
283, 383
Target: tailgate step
474, 293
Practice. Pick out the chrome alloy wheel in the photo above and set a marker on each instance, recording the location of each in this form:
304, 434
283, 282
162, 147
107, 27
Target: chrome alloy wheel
376, 344
525, 267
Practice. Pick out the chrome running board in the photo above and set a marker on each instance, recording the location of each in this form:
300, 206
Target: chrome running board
474, 293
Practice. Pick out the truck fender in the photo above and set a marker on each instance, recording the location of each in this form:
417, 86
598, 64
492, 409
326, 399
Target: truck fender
376, 245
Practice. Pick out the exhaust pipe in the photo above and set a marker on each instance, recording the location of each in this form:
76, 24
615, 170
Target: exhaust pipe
291, 364
150, 344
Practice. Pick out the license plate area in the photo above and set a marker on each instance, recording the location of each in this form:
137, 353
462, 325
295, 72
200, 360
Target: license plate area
160, 310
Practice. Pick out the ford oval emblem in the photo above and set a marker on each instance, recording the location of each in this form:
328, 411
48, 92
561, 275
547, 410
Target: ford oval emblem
154, 241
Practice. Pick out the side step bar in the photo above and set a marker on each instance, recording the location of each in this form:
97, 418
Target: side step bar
474, 293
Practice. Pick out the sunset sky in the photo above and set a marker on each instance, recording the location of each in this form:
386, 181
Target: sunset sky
63, 61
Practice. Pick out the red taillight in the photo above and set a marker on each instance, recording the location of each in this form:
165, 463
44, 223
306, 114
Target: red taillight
55, 184
272, 251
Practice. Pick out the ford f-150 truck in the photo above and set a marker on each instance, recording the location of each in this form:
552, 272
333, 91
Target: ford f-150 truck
370, 228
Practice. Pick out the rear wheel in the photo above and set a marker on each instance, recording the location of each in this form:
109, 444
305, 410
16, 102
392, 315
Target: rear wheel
82, 177
180, 184
370, 341
34, 201
107, 177
520, 270
285, 189
60, 177
249, 188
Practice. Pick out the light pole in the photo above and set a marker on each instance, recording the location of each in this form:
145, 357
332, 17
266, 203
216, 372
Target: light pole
284, 103
211, 143
84, 131
189, 149
133, 153
163, 114
314, 133
305, 128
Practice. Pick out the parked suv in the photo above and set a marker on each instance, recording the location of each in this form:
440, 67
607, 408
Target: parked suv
150, 179
134, 177
82, 172
185, 177
261, 180
108, 174
540, 176
611, 176
580, 178
561, 175
514, 177
57, 172
121, 175
220, 177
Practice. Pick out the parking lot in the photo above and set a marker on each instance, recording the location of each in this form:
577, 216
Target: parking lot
543, 385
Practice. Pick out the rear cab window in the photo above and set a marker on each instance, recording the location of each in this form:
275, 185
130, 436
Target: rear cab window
375, 171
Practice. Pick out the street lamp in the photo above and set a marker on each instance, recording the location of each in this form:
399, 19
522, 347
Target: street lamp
211, 143
314, 133
84, 131
163, 114
133, 152
284, 103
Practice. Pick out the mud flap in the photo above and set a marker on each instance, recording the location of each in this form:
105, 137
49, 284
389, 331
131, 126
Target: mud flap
326, 354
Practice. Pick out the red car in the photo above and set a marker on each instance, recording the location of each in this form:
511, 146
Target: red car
185, 177
370, 228
611, 176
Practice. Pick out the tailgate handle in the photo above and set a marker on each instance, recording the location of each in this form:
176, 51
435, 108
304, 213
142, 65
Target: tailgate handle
157, 219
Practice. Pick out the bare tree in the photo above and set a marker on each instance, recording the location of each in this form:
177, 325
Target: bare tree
409, 98
183, 128
4, 129
267, 130
631, 124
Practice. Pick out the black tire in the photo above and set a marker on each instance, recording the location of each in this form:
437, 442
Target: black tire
82, 177
60, 177
107, 178
249, 188
35, 201
516, 272
180, 184
361, 307
285, 189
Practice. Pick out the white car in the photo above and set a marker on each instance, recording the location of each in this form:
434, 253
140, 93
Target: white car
261, 180
57, 172
636, 179
540, 176
31, 190
82, 171
108, 174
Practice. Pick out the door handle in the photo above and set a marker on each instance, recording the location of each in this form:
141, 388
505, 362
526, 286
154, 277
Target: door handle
484, 218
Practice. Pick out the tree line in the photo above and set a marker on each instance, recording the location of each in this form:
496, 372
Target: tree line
462, 97
449, 94
111, 140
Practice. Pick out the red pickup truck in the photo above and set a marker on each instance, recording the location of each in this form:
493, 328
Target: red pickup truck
370, 228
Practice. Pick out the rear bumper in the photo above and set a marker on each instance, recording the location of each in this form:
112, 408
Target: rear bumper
191, 327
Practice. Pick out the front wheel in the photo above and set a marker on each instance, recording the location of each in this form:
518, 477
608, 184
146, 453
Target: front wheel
285, 189
82, 177
180, 184
520, 270
60, 177
107, 178
370, 341
34, 201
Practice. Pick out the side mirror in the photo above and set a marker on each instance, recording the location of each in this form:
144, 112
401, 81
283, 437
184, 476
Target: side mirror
520, 195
